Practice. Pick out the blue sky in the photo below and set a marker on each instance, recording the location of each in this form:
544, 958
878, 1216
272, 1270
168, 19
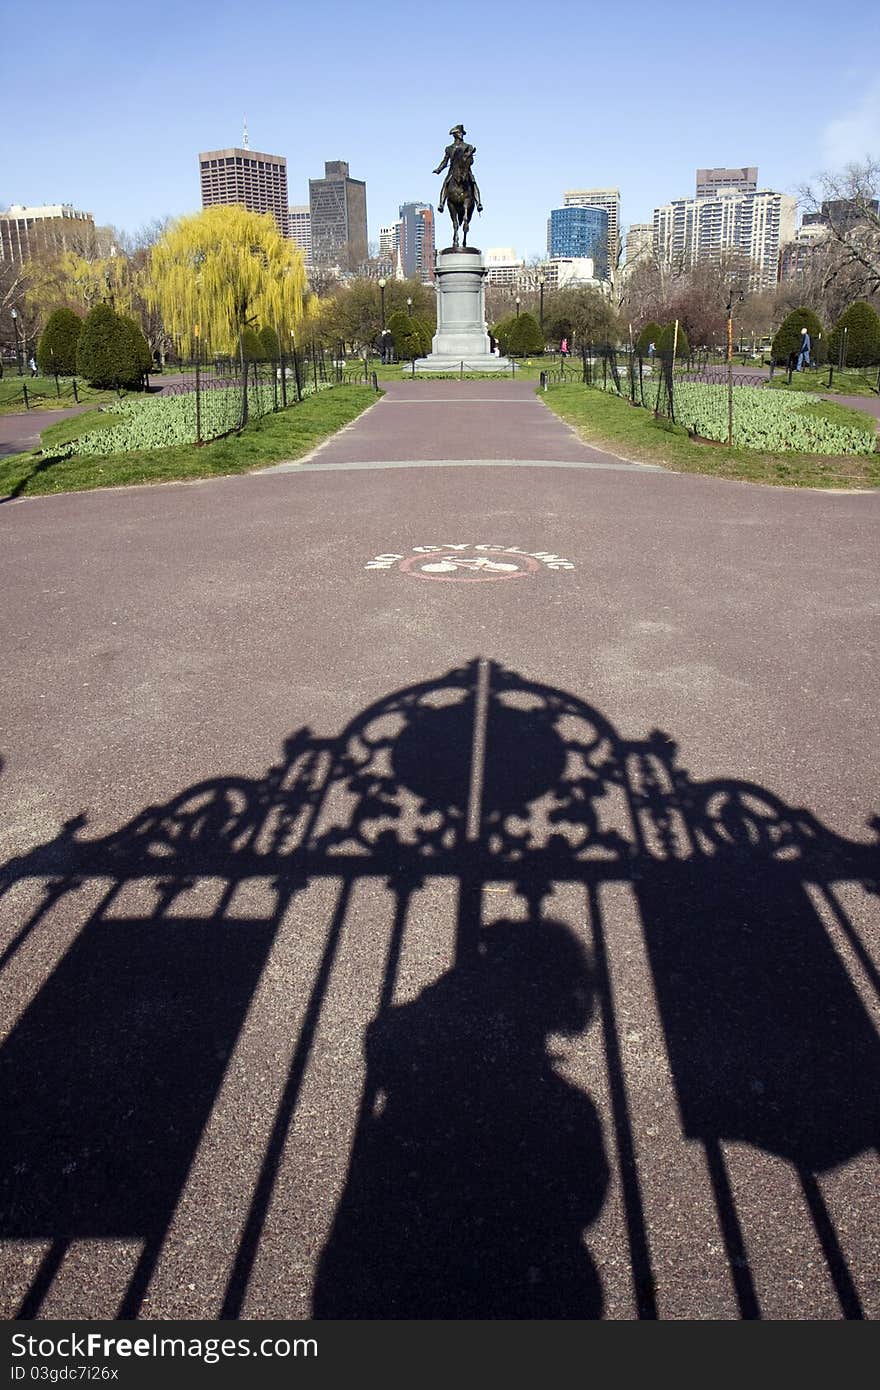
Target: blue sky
108, 105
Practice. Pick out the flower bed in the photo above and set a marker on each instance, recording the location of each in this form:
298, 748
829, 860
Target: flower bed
163, 421
773, 422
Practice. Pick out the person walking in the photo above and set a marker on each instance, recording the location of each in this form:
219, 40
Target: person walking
32, 363
804, 353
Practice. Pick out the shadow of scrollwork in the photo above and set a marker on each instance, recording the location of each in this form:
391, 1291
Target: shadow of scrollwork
466, 1127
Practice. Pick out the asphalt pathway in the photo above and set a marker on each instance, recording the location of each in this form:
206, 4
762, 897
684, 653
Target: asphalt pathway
442, 891
427, 421
20, 432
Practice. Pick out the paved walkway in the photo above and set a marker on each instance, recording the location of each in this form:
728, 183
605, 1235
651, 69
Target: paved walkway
440, 891
427, 421
21, 432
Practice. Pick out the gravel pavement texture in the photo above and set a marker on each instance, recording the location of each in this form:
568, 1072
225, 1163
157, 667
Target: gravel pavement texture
440, 891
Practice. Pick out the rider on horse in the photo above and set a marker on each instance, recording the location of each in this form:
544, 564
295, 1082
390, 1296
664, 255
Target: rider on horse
459, 156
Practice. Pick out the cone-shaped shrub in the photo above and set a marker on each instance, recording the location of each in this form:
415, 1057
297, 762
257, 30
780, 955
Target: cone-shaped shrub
525, 338
649, 334
862, 345
56, 353
788, 336
667, 338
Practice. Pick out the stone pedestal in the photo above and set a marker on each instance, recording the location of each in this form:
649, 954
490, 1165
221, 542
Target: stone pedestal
462, 339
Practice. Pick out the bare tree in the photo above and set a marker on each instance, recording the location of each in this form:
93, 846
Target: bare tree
849, 205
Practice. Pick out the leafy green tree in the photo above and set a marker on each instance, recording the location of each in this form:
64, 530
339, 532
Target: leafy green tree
649, 334
251, 345
111, 351
862, 343
412, 337
525, 338
582, 316
56, 352
501, 332
425, 336
664, 344
788, 336
135, 351
269, 344
225, 268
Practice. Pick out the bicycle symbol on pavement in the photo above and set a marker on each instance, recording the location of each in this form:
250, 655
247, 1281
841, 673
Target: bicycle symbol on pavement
470, 564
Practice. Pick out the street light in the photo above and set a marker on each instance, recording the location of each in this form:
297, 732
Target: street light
541, 283
17, 342
382, 284
409, 305
517, 303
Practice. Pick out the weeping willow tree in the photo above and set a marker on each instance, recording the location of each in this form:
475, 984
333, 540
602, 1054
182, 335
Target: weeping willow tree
225, 269
56, 282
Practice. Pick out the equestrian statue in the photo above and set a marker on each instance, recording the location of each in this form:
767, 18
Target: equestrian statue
459, 188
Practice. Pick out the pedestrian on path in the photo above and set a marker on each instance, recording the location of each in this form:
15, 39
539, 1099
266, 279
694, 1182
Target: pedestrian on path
804, 354
32, 363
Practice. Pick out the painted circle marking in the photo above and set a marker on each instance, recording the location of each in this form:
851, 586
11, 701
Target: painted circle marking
468, 568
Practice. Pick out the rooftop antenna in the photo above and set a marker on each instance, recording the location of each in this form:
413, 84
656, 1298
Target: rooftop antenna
245, 138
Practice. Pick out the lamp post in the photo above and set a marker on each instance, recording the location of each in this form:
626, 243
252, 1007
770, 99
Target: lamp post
17, 342
409, 305
384, 335
541, 283
517, 302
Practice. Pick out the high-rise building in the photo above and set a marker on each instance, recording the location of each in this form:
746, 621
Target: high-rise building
300, 225
842, 213
800, 255
25, 231
581, 231
255, 180
503, 267
609, 199
389, 240
712, 181
338, 206
416, 240
757, 225
639, 243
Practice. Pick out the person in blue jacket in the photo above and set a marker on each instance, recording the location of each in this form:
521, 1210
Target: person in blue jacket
804, 353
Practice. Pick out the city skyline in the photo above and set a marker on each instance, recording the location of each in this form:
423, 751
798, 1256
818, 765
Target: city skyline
600, 131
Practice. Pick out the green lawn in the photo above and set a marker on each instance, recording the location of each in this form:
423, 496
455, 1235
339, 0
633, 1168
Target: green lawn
851, 382
43, 396
288, 435
610, 422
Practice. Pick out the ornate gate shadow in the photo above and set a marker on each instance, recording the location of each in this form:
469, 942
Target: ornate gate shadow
110, 1074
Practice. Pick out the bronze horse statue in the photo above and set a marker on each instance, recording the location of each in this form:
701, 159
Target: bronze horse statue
459, 190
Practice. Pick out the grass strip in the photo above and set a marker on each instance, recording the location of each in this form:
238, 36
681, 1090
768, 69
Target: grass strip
43, 396
845, 383
289, 434
609, 422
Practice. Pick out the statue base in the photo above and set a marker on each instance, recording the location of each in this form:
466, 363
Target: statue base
461, 342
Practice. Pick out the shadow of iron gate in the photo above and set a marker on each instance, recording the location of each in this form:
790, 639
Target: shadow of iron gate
476, 778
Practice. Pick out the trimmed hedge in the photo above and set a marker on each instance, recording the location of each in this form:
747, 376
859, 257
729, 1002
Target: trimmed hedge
56, 353
667, 337
787, 339
111, 350
862, 338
